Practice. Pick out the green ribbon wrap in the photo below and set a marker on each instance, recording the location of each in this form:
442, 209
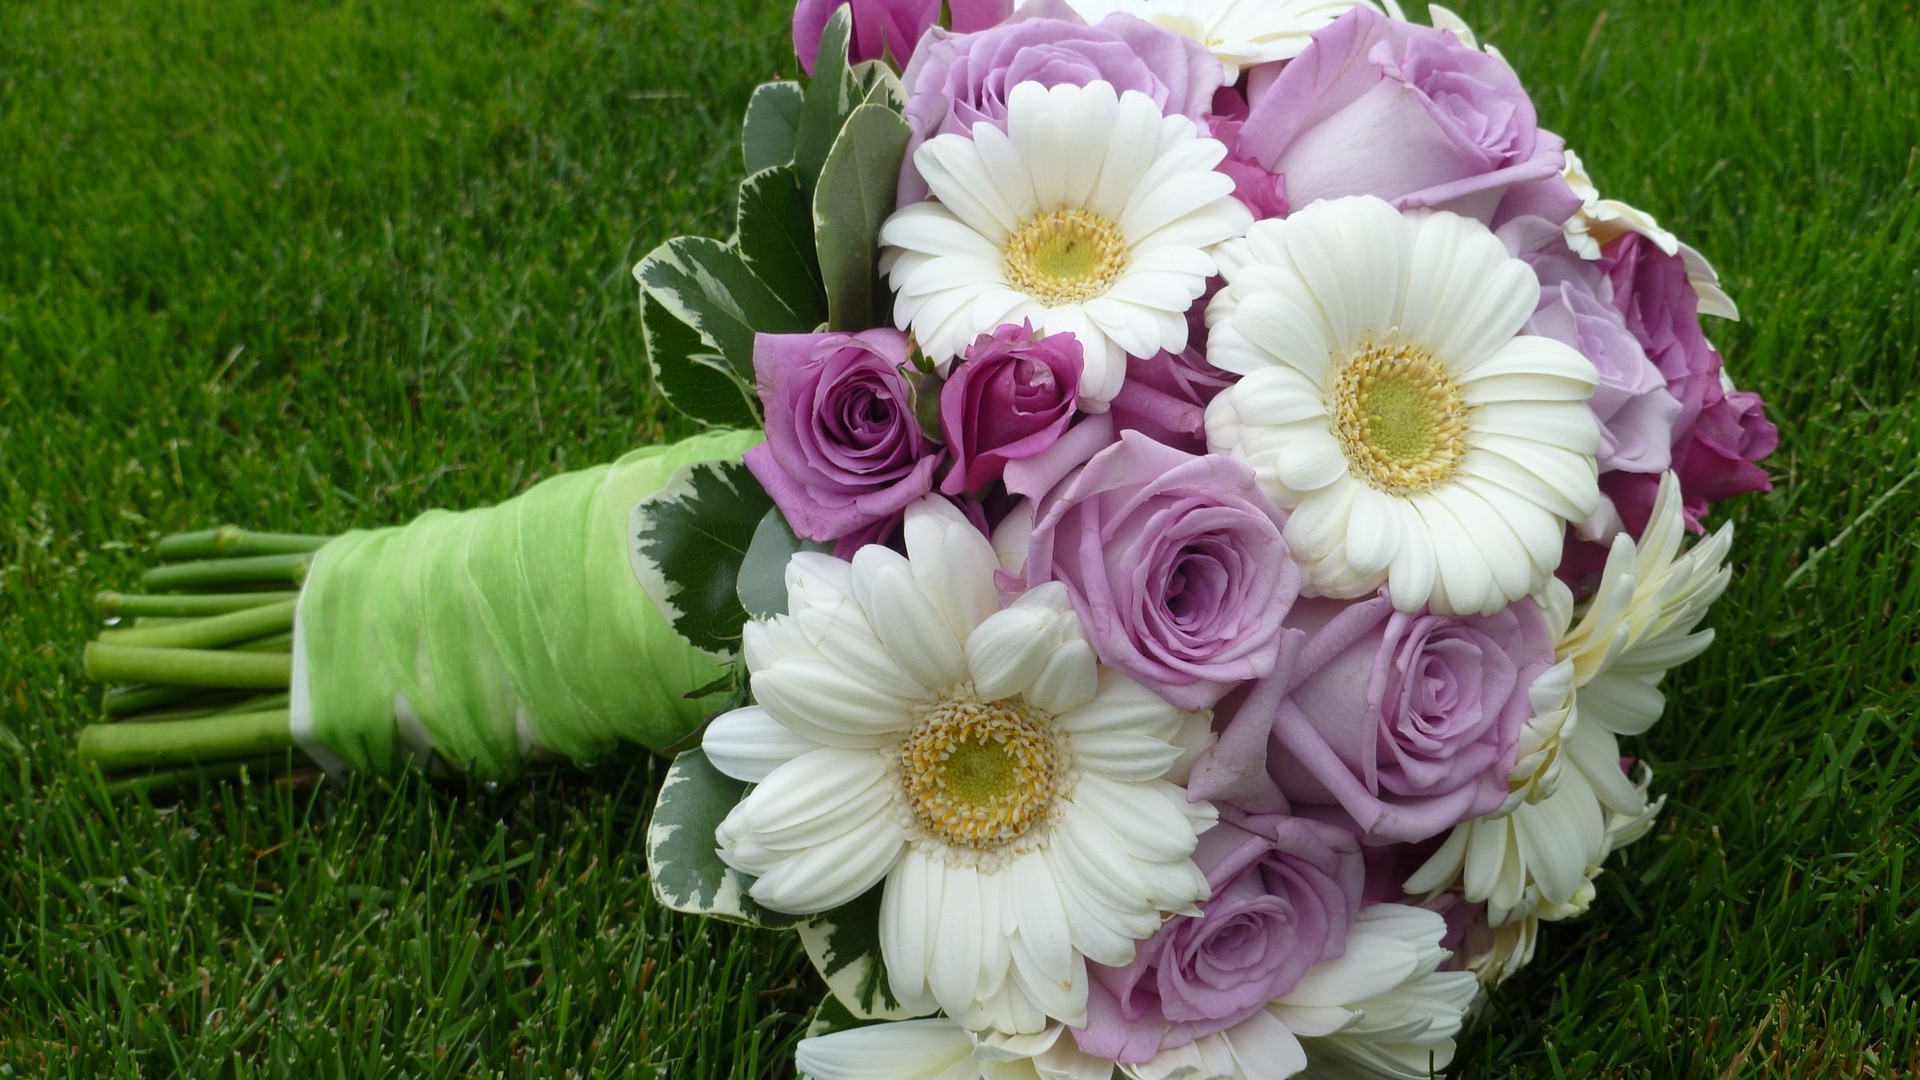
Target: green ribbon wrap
493, 638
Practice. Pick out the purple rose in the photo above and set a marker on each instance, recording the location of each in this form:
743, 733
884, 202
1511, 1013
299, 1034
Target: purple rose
887, 29
959, 80
1263, 193
1165, 396
1375, 106
1175, 564
1009, 399
1398, 725
1631, 401
1285, 891
1719, 434
844, 451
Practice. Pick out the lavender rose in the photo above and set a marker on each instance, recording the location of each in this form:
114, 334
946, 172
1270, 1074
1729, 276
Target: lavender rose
1009, 399
844, 451
1636, 413
1375, 106
887, 29
1397, 725
1285, 891
1175, 564
959, 80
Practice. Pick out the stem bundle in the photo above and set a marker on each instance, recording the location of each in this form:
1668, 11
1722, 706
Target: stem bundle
198, 666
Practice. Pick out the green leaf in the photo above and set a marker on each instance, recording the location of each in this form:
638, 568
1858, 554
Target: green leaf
830, 1016
776, 240
706, 285
772, 126
683, 861
691, 374
855, 196
687, 542
844, 945
827, 101
763, 574
876, 83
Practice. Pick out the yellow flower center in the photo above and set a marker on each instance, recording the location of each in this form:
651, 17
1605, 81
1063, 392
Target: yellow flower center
1398, 416
1065, 256
981, 774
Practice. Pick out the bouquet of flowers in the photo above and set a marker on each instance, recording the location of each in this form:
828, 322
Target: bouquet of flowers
1209, 493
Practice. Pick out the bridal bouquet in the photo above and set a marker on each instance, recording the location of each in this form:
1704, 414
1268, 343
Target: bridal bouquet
1209, 491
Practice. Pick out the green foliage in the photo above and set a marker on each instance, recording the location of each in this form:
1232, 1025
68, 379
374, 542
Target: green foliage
707, 287
688, 541
763, 573
853, 200
775, 239
772, 126
822, 163
682, 861
844, 945
315, 266
830, 96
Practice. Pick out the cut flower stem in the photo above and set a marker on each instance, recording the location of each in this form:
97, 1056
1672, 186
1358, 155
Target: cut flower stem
215, 573
228, 629
137, 605
164, 743
110, 662
231, 541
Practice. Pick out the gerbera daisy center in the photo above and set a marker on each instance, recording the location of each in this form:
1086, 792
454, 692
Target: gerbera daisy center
1065, 256
981, 774
1400, 419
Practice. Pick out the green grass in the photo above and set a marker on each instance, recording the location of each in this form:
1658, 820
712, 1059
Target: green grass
311, 265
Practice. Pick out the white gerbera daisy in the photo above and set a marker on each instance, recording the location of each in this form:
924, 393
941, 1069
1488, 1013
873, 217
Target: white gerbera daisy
1007, 789
1600, 221
1381, 1009
1239, 33
1642, 619
1539, 860
1091, 214
1390, 402
939, 1049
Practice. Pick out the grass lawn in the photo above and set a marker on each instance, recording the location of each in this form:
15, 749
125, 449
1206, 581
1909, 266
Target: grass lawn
310, 266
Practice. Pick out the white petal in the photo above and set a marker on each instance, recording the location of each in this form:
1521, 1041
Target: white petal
1312, 463
831, 873
908, 625
819, 701
749, 743
905, 1050
1068, 681
1373, 530
1372, 965
1465, 295
954, 563
954, 966
1009, 651
1149, 821
1356, 296
909, 911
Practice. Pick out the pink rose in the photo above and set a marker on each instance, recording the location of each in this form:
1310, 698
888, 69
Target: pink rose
1399, 726
887, 29
1165, 396
1008, 399
1719, 436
